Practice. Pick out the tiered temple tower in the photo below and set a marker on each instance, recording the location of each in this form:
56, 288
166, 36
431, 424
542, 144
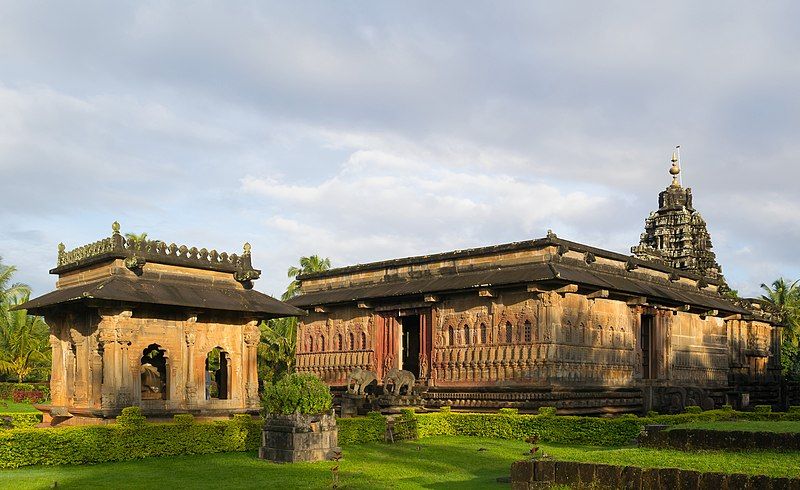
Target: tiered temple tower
676, 234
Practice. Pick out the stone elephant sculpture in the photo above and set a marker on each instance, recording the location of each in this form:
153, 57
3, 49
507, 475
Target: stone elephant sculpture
399, 379
358, 380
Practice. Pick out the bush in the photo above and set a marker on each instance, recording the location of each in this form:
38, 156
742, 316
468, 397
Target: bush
562, 429
762, 409
508, 411
113, 442
794, 409
27, 396
183, 419
7, 390
445, 409
17, 420
131, 417
693, 409
359, 430
547, 411
297, 393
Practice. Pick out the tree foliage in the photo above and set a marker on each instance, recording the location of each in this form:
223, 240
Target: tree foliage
24, 349
279, 336
784, 295
308, 265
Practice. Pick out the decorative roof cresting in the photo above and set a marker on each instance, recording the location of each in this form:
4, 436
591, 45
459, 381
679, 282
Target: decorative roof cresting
137, 252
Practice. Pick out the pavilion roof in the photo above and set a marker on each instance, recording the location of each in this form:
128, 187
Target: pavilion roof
120, 289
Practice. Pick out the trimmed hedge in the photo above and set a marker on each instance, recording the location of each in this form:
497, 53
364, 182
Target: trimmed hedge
563, 429
359, 430
121, 442
19, 420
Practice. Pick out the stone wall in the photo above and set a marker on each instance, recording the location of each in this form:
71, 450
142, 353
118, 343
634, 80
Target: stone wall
544, 473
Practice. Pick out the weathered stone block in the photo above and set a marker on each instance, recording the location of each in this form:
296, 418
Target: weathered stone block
713, 481
545, 471
297, 437
521, 471
586, 473
669, 478
739, 482
631, 478
567, 473
690, 480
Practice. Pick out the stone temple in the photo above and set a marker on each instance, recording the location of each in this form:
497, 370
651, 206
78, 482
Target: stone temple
551, 322
139, 322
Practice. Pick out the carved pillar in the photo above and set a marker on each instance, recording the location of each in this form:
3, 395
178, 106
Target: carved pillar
192, 392
128, 377
252, 336
58, 391
81, 379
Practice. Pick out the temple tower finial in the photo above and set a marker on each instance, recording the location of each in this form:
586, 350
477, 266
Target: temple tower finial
675, 169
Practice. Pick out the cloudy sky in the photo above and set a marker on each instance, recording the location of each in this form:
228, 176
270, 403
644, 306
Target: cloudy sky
371, 130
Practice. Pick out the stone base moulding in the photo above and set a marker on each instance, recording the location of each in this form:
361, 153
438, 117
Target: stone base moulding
298, 437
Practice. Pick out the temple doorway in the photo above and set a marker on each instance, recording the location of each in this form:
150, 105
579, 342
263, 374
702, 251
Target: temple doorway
153, 372
217, 374
409, 343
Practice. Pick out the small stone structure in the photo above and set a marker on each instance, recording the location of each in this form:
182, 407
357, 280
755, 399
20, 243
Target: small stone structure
299, 437
141, 323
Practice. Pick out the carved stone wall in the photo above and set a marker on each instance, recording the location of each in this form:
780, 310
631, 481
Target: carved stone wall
330, 345
97, 360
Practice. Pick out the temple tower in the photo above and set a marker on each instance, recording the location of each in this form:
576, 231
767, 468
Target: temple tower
676, 234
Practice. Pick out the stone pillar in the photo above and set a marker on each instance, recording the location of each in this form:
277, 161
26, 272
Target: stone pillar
81, 379
252, 336
58, 388
191, 390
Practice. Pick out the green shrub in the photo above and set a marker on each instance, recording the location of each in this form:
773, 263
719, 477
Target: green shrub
405, 426
17, 420
762, 409
727, 407
7, 390
105, 443
508, 411
359, 430
297, 393
562, 429
183, 419
794, 409
693, 409
445, 409
131, 417
547, 411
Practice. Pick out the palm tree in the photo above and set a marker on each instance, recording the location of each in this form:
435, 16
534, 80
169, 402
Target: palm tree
785, 297
279, 336
24, 350
7, 288
314, 263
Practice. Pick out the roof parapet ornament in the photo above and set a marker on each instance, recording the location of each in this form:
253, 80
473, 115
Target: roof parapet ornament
245, 273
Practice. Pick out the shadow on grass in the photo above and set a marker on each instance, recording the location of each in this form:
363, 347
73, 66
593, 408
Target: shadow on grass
451, 462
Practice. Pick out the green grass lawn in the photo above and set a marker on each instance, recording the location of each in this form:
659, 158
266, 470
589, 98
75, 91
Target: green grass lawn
778, 426
10, 406
436, 462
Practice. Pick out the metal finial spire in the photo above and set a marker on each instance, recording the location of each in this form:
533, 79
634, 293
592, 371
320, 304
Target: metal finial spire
675, 169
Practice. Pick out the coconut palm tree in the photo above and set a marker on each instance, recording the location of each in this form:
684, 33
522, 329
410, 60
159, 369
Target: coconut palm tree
24, 350
279, 337
7, 288
785, 296
135, 239
313, 263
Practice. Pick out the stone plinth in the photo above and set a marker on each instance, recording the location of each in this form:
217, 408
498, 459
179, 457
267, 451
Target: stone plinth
297, 437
